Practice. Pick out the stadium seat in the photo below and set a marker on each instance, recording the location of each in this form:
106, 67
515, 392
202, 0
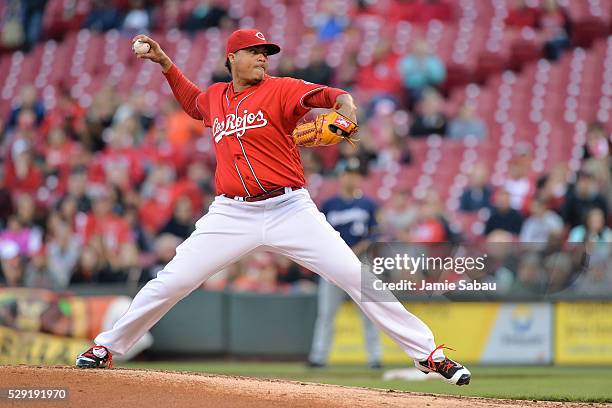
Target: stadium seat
587, 30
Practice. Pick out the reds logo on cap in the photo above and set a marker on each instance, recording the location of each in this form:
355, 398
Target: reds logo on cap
260, 36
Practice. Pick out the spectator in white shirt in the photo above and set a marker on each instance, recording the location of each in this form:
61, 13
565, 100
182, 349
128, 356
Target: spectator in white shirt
542, 224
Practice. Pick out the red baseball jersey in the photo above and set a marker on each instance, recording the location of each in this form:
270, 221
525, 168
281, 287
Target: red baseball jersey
251, 130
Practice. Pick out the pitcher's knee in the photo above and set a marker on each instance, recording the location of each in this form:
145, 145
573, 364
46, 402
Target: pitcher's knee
345, 274
182, 288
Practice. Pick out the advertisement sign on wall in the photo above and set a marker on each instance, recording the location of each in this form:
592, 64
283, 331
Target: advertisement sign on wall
492, 333
583, 331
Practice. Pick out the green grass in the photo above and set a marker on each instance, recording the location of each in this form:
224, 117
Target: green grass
585, 384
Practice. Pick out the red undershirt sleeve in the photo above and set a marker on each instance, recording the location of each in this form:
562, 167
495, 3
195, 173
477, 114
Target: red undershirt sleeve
185, 91
325, 98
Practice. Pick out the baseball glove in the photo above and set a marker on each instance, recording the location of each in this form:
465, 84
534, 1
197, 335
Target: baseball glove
325, 130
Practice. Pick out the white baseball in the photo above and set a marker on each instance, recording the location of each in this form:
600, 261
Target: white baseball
141, 47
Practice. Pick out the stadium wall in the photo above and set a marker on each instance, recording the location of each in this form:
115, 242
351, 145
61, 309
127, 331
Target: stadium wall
281, 326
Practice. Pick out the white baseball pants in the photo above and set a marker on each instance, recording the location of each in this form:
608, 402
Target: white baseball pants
290, 225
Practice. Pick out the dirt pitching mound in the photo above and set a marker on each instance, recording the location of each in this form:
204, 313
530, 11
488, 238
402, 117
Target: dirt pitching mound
147, 388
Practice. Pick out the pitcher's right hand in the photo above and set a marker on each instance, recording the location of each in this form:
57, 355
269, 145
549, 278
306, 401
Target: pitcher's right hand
155, 54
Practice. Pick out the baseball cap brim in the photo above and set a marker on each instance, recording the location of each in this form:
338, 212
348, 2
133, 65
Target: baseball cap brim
272, 48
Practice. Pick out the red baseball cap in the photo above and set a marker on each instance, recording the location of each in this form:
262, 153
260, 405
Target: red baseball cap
241, 39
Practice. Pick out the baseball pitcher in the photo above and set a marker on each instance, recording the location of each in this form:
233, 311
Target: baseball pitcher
262, 203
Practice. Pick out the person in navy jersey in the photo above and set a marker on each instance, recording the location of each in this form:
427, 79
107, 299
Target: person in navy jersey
353, 215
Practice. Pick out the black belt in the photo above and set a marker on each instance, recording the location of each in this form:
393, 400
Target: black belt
264, 196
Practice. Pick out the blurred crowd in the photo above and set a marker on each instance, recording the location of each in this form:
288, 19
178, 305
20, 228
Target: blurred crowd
104, 193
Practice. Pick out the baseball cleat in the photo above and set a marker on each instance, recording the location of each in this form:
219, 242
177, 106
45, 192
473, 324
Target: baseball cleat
451, 371
95, 357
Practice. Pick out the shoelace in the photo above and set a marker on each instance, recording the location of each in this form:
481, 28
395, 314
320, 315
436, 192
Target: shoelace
432, 365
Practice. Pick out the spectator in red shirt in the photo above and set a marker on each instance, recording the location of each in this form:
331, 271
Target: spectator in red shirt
121, 161
22, 174
62, 17
102, 224
157, 193
67, 115
379, 77
110, 236
60, 154
428, 226
190, 189
260, 275
60, 151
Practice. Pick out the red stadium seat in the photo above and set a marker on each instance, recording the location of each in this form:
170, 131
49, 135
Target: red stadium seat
523, 51
488, 64
587, 30
456, 75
